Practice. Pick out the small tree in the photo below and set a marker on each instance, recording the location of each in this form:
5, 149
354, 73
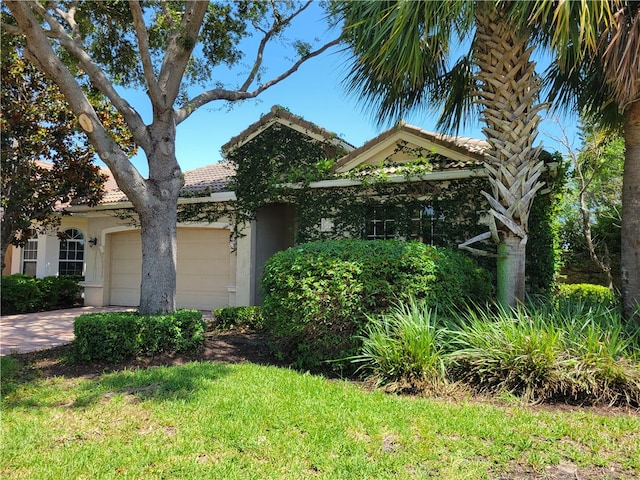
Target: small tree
592, 204
161, 47
46, 159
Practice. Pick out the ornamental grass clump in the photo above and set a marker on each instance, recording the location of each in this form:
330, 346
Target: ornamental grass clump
515, 351
603, 356
405, 349
579, 352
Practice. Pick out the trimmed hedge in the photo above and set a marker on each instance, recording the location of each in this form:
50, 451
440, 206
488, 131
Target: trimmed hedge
238, 318
317, 295
586, 293
116, 336
23, 294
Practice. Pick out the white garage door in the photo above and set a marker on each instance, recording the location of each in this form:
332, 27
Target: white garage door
203, 268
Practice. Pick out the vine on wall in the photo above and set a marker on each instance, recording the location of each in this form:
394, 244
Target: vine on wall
279, 165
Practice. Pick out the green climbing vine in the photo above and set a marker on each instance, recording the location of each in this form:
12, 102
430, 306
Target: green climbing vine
282, 165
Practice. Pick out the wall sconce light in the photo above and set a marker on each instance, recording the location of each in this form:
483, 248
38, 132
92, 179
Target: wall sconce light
93, 242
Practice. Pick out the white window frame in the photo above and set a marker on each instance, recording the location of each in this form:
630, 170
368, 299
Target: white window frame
69, 256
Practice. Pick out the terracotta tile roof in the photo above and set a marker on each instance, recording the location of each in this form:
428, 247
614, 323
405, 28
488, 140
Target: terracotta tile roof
211, 177
214, 178
279, 114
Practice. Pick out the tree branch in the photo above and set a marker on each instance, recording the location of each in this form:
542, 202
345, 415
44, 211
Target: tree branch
181, 45
277, 25
12, 29
40, 48
97, 76
233, 95
143, 46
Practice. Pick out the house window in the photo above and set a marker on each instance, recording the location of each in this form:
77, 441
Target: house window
381, 223
30, 255
71, 253
425, 224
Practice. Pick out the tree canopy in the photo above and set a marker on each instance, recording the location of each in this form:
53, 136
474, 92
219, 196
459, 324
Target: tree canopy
46, 158
174, 52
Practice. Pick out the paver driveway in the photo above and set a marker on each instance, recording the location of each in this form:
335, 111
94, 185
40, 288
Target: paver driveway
29, 332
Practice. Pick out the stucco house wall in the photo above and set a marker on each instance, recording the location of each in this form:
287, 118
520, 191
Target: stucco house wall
216, 267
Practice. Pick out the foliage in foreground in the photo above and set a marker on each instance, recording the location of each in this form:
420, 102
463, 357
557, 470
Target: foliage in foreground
22, 293
115, 336
575, 352
210, 420
318, 295
238, 318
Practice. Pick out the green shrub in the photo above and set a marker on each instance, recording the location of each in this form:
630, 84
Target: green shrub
318, 295
115, 336
586, 293
60, 292
180, 331
22, 293
109, 336
405, 348
238, 318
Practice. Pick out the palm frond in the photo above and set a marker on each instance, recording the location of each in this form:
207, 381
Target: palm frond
456, 94
400, 51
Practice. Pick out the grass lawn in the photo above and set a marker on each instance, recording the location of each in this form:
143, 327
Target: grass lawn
245, 421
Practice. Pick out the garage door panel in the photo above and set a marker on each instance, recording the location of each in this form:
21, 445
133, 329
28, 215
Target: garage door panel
202, 273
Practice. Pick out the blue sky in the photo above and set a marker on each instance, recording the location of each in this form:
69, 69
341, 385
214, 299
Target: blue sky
315, 92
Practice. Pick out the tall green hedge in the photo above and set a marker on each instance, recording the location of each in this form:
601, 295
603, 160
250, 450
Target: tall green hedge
317, 295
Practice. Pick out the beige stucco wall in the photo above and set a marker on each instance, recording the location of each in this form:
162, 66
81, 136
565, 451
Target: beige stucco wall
97, 273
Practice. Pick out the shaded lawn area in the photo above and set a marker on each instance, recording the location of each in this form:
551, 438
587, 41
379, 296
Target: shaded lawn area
200, 419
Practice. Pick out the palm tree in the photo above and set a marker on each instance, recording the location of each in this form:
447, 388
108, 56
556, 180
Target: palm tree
596, 46
401, 50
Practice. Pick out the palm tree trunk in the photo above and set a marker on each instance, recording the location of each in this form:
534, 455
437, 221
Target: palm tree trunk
631, 214
508, 90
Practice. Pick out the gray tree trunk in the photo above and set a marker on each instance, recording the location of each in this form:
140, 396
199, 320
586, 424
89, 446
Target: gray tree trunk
159, 257
511, 271
631, 214
157, 206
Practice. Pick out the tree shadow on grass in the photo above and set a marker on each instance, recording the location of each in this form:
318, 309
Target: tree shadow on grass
161, 383
158, 383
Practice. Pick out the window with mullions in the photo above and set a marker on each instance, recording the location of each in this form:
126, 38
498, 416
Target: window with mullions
30, 255
71, 259
427, 225
381, 223
424, 224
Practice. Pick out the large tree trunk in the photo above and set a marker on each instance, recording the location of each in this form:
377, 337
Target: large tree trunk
159, 257
631, 213
157, 207
508, 90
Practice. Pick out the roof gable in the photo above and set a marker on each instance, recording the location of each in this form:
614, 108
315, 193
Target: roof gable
279, 115
403, 143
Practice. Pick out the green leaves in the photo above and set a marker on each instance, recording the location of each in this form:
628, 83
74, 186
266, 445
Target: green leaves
116, 336
318, 295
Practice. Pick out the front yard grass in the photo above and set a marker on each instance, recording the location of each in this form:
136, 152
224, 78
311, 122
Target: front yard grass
241, 421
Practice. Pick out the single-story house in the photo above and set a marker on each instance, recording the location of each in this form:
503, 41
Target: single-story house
219, 266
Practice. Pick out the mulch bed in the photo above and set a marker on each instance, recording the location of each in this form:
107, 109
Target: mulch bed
228, 347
